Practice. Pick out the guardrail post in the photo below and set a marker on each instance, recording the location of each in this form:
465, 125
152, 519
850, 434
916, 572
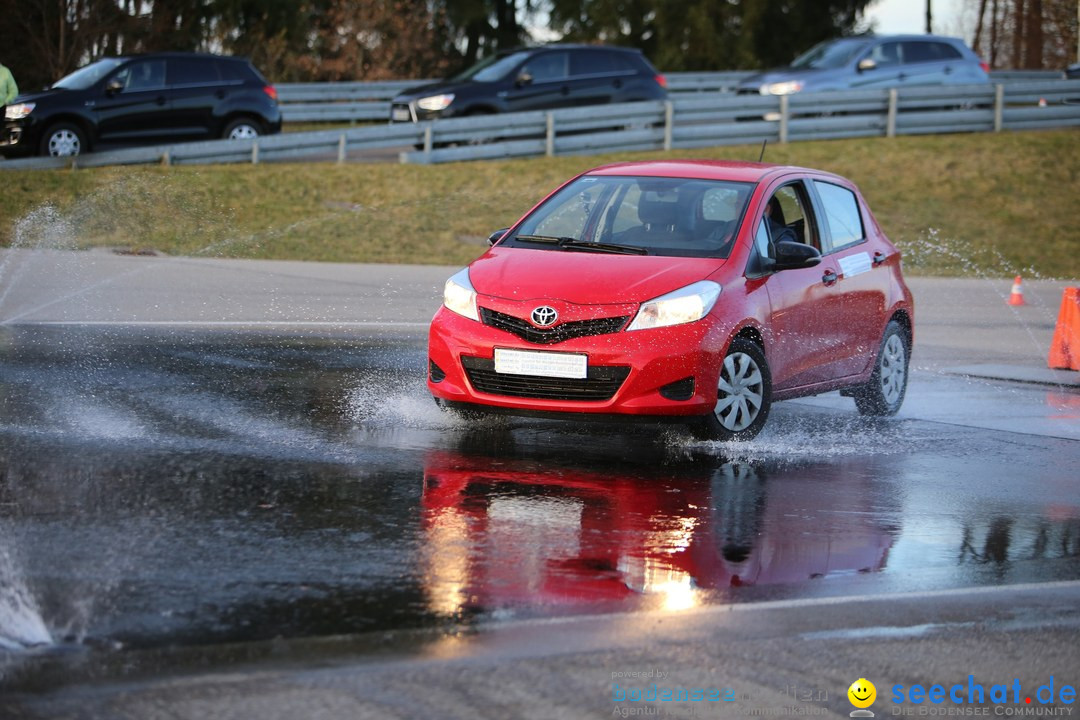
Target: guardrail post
427, 140
999, 107
341, 149
255, 152
785, 115
890, 124
669, 117
166, 159
549, 137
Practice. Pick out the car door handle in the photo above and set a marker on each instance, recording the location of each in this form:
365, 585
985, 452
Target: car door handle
617, 84
160, 100
903, 76
829, 277
565, 89
879, 257
220, 94
947, 70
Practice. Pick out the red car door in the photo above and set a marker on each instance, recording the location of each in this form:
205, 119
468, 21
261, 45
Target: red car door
808, 339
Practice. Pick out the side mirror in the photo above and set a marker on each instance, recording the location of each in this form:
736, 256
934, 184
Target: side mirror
114, 87
866, 64
496, 236
524, 78
791, 255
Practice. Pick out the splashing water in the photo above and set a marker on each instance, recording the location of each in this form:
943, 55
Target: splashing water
21, 624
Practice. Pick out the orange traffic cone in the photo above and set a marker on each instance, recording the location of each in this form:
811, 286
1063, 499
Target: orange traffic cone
1016, 297
1065, 347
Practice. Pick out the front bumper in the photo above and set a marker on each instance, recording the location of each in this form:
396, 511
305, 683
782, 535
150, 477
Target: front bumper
17, 139
668, 371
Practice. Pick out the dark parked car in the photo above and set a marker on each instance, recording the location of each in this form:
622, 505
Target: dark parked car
873, 61
538, 78
142, 99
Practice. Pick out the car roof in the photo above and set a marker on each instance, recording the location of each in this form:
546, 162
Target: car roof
902, 36
569, 46
179, 54
702, 170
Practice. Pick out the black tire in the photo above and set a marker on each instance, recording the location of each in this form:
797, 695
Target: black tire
884, 393
743, 396
64, 139
242, 128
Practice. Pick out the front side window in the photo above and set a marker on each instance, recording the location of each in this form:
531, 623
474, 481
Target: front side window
886, 54
841, 213
787, 214
548, 67
143, 75
638, 215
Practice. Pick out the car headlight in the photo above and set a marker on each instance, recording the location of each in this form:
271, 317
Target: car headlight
459, 296
18, 111
684, 305
782, 88
435, 102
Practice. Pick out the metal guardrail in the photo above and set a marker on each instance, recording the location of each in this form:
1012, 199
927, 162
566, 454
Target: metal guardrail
689, 120
370, 101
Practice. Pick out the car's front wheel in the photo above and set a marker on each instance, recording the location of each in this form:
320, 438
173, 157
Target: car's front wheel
884, 394
242, 129
63, 140
743, 394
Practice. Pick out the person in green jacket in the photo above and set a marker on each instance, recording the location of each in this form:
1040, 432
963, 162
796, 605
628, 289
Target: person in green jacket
8, 89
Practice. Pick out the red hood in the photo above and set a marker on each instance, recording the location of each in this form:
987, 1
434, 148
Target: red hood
583, 278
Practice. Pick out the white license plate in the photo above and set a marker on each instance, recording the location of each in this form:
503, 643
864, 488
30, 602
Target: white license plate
401, 114
541, 364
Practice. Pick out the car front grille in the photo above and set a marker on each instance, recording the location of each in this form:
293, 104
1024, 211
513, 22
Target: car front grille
547, 336
601, 384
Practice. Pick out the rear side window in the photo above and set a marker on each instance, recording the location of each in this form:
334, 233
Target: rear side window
916, 52
193, 71
236, 71
593, 62
842, 213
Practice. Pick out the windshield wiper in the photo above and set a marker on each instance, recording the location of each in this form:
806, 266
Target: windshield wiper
569, 243
604, 248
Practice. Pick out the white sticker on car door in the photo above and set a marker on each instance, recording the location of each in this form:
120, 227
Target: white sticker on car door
856, 264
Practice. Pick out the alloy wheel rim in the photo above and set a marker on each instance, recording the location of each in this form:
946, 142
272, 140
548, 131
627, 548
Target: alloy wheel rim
64, 143
740, 392
243, 132
893, 369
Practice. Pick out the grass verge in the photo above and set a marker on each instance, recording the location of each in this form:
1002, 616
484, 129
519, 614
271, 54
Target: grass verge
991, 204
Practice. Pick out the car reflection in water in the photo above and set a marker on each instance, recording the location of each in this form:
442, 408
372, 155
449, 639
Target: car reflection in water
511, 535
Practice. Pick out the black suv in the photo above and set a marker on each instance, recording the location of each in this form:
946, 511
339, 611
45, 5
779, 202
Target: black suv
538, 78
142, 99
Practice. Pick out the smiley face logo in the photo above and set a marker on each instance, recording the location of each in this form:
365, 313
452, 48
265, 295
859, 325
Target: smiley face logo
862, 693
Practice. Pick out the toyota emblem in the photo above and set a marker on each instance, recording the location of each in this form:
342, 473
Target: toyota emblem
544, 316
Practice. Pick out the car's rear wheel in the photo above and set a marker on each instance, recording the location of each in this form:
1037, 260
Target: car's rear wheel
743, 395
242, 129
884, 394
63, 140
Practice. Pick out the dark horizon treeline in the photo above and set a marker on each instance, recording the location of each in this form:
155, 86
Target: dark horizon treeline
326, 40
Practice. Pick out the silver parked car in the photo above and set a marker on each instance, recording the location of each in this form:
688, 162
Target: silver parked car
873, 61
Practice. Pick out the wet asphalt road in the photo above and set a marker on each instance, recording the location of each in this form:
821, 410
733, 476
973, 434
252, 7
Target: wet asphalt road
172, 494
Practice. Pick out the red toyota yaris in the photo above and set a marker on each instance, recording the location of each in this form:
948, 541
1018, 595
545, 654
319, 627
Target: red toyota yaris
698, 292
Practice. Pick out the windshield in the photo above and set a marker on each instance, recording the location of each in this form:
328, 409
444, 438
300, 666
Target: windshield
492, 68
637, 215
830, 54
86, 76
